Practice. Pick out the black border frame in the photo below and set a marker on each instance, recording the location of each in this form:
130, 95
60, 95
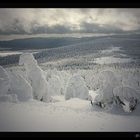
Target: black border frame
71, 134
67, 4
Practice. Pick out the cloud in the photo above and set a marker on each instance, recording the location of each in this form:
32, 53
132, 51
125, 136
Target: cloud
34, 21
57, 29
99, 28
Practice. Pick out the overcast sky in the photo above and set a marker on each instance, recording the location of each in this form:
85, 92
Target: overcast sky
96, 20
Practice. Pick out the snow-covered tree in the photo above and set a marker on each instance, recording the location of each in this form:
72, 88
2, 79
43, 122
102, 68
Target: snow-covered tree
36, 76
76, 88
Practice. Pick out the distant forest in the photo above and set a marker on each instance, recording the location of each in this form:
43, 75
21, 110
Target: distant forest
65, 47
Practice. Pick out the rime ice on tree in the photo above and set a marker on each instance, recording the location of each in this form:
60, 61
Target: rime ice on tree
36, 77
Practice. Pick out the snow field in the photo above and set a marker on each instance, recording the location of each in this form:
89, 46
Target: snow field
68, 95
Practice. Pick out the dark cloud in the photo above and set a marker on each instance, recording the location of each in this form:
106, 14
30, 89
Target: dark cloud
99, 28
86, 20
53, 29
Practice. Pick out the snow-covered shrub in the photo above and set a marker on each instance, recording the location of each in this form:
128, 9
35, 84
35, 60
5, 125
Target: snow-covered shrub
76, 88
20, 87
4, 81
36, 76
126, 97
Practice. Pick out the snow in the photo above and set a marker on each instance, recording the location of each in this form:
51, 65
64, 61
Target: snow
9, 98
66, 89
70, 115
4, 81
110, 50
111, 59
7, 53
62, 94
36, 76
6, 98
76, 88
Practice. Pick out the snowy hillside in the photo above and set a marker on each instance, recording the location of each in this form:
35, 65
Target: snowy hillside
82, 53
71, 115
89, 86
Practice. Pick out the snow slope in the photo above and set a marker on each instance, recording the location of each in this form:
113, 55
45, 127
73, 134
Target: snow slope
87, 60
71, 115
